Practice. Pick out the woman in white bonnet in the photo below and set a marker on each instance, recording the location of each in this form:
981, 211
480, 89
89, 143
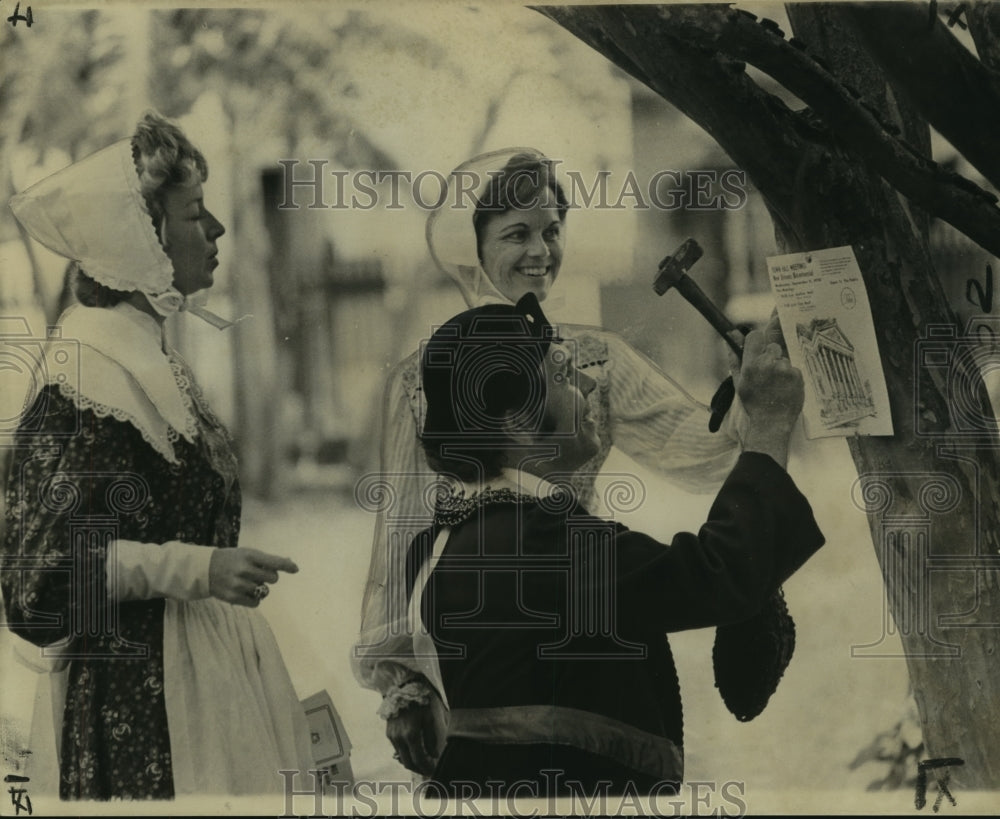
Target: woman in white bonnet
121, 559
507, 241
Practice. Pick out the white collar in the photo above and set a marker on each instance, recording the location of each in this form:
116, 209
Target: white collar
111, 360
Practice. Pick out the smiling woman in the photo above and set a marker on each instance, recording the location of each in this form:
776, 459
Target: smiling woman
519, 223
508, 245
521, 250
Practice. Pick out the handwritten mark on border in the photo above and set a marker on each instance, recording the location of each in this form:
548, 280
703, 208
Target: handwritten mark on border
920, 798
17, 17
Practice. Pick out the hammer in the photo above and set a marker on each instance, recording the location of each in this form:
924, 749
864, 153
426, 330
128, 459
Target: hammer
673, 273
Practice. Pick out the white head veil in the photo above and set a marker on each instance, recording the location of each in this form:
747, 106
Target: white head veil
93, 213
451, 236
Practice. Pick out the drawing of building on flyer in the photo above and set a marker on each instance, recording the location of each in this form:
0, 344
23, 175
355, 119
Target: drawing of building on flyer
843, 396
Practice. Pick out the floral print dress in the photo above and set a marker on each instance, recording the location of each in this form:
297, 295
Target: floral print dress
82, 478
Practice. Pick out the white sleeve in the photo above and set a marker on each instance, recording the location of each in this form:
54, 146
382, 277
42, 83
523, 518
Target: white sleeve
402, 496
654, 420
142, 571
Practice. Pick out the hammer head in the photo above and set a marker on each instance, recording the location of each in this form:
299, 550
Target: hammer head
675, 266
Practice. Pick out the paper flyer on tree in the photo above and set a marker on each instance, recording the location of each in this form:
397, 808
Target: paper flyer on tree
827, 323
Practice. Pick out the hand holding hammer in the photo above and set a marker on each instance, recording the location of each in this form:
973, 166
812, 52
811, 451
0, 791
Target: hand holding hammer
672, 273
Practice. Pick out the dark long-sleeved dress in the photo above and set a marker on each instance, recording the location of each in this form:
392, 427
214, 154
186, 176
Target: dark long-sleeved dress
115, 737
637, 407
549, 625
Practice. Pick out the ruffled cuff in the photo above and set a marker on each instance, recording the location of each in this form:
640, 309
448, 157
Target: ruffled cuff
750, 657
388, 674
417, 691
142, 571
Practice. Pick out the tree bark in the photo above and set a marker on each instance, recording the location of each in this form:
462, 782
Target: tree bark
930, 491
984, 26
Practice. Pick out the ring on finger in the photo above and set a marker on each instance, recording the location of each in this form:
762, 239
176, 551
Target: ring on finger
260, 591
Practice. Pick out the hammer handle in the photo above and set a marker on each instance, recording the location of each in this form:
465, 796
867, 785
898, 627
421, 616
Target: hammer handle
693, 294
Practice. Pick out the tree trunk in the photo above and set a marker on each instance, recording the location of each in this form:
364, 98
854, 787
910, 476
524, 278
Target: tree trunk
255, 346
931, 489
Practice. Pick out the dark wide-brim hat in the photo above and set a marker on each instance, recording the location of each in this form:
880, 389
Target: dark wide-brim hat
483, 367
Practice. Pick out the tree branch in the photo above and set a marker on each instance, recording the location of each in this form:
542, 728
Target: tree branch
947, 195
956, 93
711, 90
